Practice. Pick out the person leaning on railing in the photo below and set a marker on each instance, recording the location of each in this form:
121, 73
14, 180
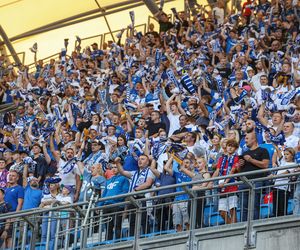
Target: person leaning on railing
228, 165
180, 208
116, 185
200, 173
281, 192
140, 179
5, 225
48, 200
162, 212
255, 158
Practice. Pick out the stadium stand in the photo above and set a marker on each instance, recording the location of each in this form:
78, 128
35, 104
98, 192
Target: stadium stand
189, 127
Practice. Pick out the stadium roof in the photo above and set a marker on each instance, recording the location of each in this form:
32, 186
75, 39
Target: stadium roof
48, 23
20, 16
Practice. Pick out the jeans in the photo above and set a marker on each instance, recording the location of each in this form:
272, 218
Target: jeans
115, 224
53, 224
296, 210
163, 214
132, 221
244, 198
280, 202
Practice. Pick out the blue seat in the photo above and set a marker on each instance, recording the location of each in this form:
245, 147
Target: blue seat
216, 219
38, 246
208, 211
238, 215
290, 206
266, 210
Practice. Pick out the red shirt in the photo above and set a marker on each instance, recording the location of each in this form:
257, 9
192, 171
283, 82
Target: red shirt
235, 165
247, 8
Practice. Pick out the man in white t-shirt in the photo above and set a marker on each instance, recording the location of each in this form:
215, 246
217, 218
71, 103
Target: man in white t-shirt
69, 171
291, 141
219, 12
174, 111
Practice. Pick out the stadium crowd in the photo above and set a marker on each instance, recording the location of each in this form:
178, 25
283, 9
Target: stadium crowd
210, 94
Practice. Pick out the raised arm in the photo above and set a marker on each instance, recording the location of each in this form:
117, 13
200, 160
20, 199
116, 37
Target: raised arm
25, 175
169, 166
45, 153
260, 115
153, 168
121, 169
52, 149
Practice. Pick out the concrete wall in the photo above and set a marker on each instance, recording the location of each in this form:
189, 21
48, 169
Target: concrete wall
269, 234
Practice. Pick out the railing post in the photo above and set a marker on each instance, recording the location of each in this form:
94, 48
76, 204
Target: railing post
48, 230
250, 241
83, 237
67, 236
137, 227
192, 223
24, 235
33, 235
57, 233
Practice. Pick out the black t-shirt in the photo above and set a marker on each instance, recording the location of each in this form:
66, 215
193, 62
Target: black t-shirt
41, 167
154, 127
165, 26
257, 154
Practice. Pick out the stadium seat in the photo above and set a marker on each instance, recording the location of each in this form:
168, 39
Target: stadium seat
216, 219
290, 206
266, 210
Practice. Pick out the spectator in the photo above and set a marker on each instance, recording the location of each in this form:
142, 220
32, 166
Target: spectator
14, 193
41, 164
281, 192
7, 155
180, 208
96, 156
116, 185
141, 179
155, 124
227, 165
5, 225
164, 208
32, 193
92, 181
69, 171
48, 200
200, 173
255, 158
4, 173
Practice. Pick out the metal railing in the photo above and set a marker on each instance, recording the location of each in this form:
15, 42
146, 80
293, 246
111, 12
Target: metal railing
45, 60
142, 215
20, 54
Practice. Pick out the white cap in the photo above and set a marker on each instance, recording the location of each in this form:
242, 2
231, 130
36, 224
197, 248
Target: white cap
75, 84
249, 68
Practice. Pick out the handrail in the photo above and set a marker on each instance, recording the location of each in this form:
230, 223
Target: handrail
40, 210
144, 25
56, 55
19, 53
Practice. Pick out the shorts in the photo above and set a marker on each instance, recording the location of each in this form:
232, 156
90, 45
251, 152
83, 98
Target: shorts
9, 231
180, 213
228, 203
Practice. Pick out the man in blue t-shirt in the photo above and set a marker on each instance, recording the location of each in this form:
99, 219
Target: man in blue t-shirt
14, 193
116, 185
180, 209
32, 195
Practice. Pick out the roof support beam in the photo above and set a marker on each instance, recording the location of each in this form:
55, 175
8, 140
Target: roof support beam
86, 16
10, 47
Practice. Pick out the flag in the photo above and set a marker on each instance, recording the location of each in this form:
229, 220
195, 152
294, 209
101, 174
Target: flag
188, 84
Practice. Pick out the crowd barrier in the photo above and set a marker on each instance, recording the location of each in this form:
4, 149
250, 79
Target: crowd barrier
144, 215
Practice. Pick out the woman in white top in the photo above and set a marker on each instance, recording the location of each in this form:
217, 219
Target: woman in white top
281, 190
